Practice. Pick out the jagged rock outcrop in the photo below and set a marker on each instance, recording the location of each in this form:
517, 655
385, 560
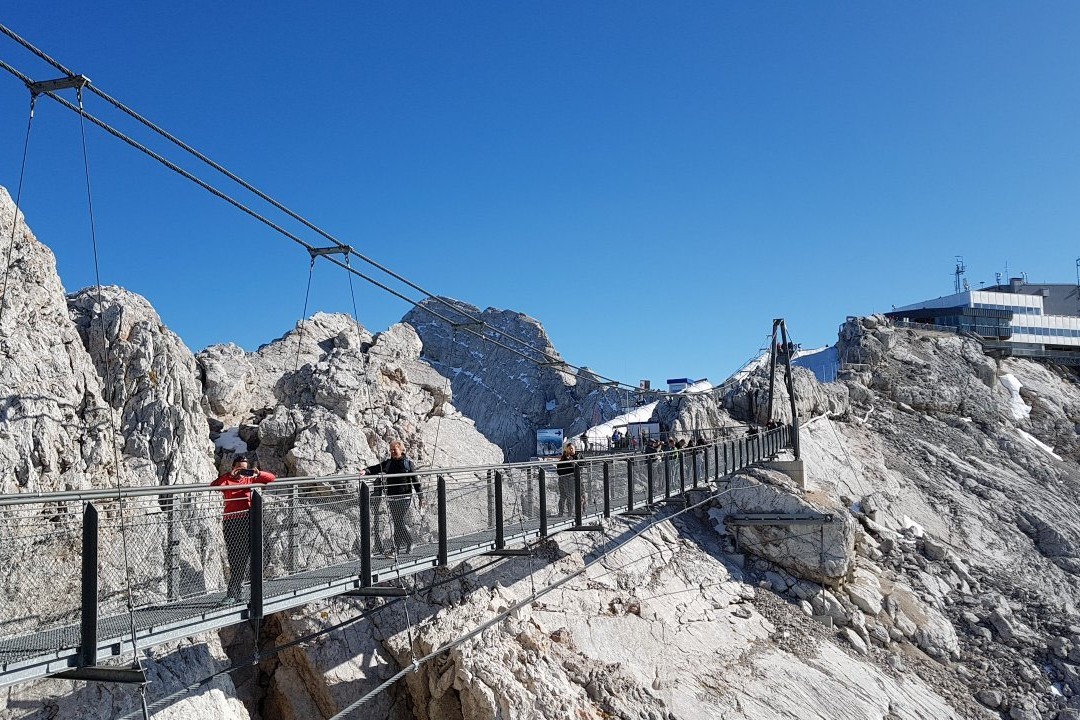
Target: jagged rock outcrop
154, 387
687, 414
328, 397
747, 398
969, 522
54, 426
507, 395
62, 427
823, 554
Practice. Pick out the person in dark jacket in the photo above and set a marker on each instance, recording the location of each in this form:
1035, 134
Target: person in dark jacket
565, 468
398, 491
234, 522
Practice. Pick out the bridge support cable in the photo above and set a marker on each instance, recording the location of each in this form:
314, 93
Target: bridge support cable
303, 314
449, 389
73, 80
115, 434
15, 220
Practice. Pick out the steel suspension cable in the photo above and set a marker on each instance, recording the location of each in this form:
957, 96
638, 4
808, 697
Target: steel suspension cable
364, 361
303, 315
450, 387
243, 183
546, 362
269, 223
15, 219
137, 661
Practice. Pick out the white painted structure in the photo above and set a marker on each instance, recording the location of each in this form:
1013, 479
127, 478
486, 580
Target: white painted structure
1030, 325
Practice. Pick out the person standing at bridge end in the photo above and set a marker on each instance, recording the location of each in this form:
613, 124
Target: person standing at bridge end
398, 491
234, 521
565, 469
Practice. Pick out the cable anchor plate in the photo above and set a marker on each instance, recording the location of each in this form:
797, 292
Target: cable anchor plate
45, 86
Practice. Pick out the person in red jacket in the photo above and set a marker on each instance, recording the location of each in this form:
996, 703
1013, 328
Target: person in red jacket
234, 523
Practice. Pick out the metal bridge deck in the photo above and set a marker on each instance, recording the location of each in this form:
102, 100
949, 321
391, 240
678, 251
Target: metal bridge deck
42, 653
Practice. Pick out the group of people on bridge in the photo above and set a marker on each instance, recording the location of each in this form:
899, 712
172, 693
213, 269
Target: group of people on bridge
236, 488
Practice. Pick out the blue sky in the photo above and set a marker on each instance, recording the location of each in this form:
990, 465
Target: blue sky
653, 181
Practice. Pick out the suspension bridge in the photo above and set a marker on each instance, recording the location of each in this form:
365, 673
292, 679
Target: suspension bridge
131, 567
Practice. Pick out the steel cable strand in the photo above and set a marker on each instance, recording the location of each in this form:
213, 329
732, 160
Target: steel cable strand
243, 183
544, 361
247, 186
137, 661
450, 391
15, 219
303, 316
567, 370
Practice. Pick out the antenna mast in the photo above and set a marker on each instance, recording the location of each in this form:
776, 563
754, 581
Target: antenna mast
958, 281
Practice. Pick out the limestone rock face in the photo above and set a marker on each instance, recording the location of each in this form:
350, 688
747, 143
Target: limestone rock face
53, 422
955, 491
153, 387
686, 414
508, 396
823, 554
747, 399
62, 427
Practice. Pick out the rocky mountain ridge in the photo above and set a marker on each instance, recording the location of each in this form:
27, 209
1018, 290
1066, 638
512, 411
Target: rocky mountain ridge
945, 587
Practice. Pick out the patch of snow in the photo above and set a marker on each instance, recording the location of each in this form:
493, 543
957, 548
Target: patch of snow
230, 440
1020, 409
700, 386
603, 431
550, 405
916, 529
1038, 443
823, 362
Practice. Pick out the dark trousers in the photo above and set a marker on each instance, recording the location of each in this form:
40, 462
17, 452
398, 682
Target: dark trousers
399, 513
566, 494
236, 530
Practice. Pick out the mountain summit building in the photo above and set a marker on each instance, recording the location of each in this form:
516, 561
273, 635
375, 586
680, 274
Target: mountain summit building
1027, 320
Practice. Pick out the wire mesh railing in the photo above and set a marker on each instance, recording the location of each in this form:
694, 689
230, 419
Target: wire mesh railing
187, 557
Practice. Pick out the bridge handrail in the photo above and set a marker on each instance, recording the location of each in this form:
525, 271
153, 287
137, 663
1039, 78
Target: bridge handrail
13, 499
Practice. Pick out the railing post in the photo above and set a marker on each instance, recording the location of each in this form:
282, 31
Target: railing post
795, 438
629, 484
682, 473
705, 454
693, 461
500, 538
365, 535
172, 558
649, 479
607, 488
727, 468
577, 494
440, 500
294, 500
667, 474
255, 535
89, 620
527, 504
490, 500
541, 479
